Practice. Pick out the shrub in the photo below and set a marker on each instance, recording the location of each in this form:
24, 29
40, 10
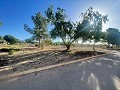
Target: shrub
10, 39
48, 42
11, 51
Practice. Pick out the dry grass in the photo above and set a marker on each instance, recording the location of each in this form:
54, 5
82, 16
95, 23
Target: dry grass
26, 49
12, 46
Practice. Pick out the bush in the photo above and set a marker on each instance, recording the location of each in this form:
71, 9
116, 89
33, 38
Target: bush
11, 51
10, 39
48, 42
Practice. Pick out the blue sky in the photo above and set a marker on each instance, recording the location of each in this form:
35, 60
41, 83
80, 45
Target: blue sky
15, 13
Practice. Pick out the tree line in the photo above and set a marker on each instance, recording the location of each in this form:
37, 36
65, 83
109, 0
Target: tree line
88, 28
9, 39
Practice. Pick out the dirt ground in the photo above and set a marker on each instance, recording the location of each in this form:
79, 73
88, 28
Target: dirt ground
27, 50
32, 57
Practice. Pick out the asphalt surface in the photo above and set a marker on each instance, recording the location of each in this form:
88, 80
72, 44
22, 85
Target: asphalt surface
102, 73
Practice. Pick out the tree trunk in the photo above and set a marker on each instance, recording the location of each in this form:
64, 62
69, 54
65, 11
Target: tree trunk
94, 47
82, 43
41, 46
39, 43
68, 47
108, 45
112, 46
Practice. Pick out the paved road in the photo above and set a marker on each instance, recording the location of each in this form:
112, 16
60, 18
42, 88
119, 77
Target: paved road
99, 74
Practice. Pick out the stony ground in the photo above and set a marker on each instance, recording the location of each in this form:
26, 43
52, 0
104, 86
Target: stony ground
55, 55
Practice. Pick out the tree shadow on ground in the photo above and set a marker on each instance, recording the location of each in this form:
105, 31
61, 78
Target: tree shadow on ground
101, 74
97, 74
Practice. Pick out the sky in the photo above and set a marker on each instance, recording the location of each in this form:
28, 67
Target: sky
15, 13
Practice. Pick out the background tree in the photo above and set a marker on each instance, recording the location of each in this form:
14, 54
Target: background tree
113, 36
1, 38
30, 40
39, 31
10, 39
48, 42
0, 23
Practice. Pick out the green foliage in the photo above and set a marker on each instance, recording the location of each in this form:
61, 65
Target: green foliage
93, 31
10, 39
70, 32
64, 29
104, 36
58, 16
30, 40
39, 31
58, 43
91, 25
0, 23
113, 36
1, 38
11, 51
48, 42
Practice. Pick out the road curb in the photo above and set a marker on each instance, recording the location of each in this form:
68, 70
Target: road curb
47, 67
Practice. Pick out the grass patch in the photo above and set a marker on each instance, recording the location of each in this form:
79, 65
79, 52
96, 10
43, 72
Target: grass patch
11, 51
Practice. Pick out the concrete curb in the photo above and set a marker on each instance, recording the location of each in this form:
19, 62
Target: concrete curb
47, 67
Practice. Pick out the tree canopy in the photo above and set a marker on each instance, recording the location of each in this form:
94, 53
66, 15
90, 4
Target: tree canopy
1, 37
92, 23
10, 39
30, 40
63, 28
70, 32
39, 31
0, 23
113, 36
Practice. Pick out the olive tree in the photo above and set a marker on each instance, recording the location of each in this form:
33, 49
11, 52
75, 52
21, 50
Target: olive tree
63, 28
